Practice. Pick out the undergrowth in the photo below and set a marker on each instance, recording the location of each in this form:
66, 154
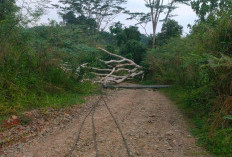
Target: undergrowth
54, 100
200, 65
219, 142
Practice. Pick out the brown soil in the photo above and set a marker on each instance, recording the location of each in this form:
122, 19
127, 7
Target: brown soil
151, 124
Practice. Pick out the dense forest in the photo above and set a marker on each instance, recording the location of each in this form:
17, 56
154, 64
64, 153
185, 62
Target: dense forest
34, 58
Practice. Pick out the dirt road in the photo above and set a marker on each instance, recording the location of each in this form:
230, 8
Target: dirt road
151, 124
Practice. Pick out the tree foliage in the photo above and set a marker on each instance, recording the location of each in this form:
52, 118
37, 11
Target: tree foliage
122, 35
87, 23
170, 29
128, 39
8, 9
209, 8
133, 49
102, 11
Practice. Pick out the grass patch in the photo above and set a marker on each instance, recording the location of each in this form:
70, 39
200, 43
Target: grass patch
47, 100
199, 113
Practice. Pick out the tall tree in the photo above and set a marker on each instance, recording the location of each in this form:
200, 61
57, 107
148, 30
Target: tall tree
128, 39
170, 29
84, 22
156, 7
103, 11
122, 35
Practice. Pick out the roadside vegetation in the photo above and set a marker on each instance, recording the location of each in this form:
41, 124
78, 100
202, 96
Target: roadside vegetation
200, 68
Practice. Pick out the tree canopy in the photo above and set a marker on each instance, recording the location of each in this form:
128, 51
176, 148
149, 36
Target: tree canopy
7, 9
102, 11
170, 29
209, 8
128, 39
122, 35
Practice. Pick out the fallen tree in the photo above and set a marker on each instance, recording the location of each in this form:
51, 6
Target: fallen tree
117, 70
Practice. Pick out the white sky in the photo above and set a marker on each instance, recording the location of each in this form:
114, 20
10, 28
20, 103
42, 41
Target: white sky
185, 15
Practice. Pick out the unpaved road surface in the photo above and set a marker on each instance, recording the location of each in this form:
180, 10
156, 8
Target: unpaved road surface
151, 124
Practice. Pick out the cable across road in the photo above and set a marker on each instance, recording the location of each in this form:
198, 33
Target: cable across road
120, 130
92, 112
94, 129
80, 129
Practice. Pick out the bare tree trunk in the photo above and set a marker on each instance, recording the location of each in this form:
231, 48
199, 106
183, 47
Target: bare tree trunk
154, 33
153, 25
155, 13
